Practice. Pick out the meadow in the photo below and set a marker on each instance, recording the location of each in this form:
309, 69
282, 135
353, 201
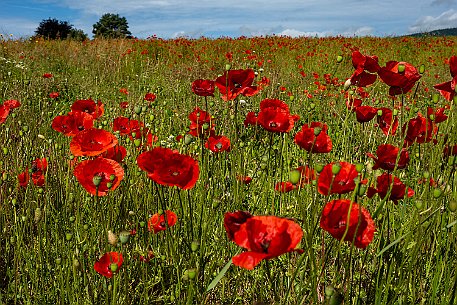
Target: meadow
268, 170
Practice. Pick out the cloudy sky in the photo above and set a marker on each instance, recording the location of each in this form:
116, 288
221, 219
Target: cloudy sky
216, 18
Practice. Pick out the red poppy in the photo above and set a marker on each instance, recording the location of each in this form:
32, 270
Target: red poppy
124, 105
387, 157
125, 126
244, 179
218, 144
47, 75
150, 97
116, 153
72, 123
108, 262
285, 187
94, 109
236, 82
157, 222
39, 169
365, 113
251, 119
12, 104
353, 103
419, 130
340, 183
448, 89
54, 95
274, 116
450, 150
203, 87
265, 237
92, 142
124, 91
99, 176
436, 115
306, 176
387, 121
385, 182
364, 66
400, 76
24, 178
360, 228
169, 167
202, 123
4, 112
314, 138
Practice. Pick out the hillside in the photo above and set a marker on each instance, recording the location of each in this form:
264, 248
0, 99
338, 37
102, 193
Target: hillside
441, 32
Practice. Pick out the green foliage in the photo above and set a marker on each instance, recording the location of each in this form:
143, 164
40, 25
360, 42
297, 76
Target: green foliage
53, 29
111, 26
77, 35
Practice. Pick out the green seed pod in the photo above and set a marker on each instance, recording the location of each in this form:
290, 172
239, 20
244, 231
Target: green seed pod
294, 176
452, 205
96, 180
437, 193
137, 142
263, 165
113, 267
124, 237
5, 150
336, 299
379, 112
419, 204
329, 291
227, 67
319, 167
359, 167
336, 168
188, 138
317, 131
142, 224
68, 236
401, 68
72, 218
38, 215
339, 58
58, 261
137, 110
426, 174
195, 245
362, 190
435, 98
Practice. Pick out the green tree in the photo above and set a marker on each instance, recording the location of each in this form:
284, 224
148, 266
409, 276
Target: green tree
111, 26
77, 35
53, 29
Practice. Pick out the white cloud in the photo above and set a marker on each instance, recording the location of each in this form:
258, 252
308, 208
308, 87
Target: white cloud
295, 33
448, 19
18, 27
361, 31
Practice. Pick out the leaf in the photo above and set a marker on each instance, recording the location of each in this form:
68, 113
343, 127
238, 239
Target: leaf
219, 276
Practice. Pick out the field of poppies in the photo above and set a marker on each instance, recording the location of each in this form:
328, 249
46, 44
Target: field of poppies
265, 170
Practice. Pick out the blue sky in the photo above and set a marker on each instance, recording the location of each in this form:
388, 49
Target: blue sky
215, 18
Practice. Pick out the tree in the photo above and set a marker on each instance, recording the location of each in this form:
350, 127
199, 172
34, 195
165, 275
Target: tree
77, 35
53, 29
111, 26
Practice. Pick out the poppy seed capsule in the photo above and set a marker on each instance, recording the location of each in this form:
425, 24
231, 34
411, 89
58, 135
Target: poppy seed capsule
339, 58
452, 205
422, 69
319, 167
124, 237
437, 193
195, 245
401, 68
294, 176
336, 169
96, 180
113, 267
137, 142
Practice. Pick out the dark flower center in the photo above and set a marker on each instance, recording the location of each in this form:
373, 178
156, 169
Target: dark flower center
273, 124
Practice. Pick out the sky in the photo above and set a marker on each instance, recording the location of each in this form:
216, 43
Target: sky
234, 18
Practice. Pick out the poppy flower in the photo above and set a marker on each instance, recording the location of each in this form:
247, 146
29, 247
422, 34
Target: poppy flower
360, 228
306, 176
436, 115
124, 91
12, 104
92, 142
314, 138
24, 178
387, 122
235, 82
285, 187
39, 169
274, 116
54, 95
168, 167
353, 103
385, 182
107, 263
72, 123
265, 237
419, 130
116, 153
387, 157
150, 97
218, 144
365, 67
99, 176
448, 89
47, 75
251, 119
365, 113
203, 87
400, 76
450, 150
244, 179
340, 183
94, 109
125, 126
157, 222
202, 123
4, 112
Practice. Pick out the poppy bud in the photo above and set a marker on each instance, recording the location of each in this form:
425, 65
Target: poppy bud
137, 142
189, 274
395, 112
379, 112
329, 291
124, 237
72, 218
347, 84
431, 117
112, 177
294, 176
359, 167
227, 67
5, 150
211, 104
85, 227
137, 110
142, 224
38, 215
58, 261
336, 169
426, 174
319, 167
4, 176
336, 299
188, 139
419, 204
422, 69
339, 58
68, 236
76, 264
317, 131
362, 190
112, 238
133, 134
435, 98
